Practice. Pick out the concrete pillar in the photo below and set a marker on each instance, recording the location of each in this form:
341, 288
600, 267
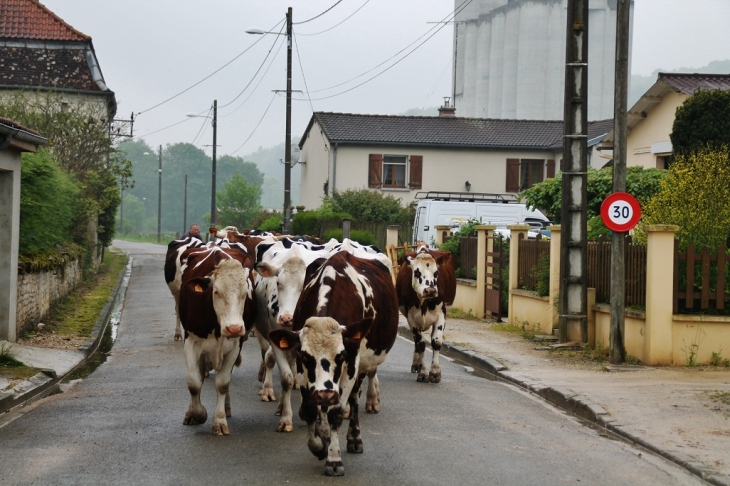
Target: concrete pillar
10, 228
346, 227
484, 245
591, 319
471, 43
391, 237
517, 232
554, 275
496, 66
441, 231
659, 293
511, 59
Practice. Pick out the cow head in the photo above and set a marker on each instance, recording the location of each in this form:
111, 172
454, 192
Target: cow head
283, 286
230, 288
425, 273
325, 348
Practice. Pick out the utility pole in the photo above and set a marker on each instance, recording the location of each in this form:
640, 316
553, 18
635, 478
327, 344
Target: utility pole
159, 196
574, 245
185, 205
213, 218
287, 143
617, 352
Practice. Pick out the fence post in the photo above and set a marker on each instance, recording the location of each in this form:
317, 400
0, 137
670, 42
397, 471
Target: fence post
554, 275
391, 237
441, 230
658, 343
346, 227
484, 245
517, 232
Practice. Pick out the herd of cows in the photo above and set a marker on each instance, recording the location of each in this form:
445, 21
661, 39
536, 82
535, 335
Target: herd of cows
330, 311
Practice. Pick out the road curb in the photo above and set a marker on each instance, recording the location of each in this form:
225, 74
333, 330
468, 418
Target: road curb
46, 382
576, 404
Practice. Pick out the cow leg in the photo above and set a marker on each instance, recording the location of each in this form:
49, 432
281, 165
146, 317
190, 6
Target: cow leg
419, 365
309, 414
222, 383
178, 324
372, 405
267, 387
196, 413
354, 441
264, 345
286, 423
331, 422
437, 339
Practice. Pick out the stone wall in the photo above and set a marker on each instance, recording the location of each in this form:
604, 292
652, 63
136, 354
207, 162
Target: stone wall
38, 291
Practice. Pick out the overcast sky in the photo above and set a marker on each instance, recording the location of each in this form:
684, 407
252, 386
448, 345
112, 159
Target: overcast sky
151, 50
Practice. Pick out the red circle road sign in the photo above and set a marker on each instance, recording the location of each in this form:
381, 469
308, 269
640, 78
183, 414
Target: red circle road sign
620, 212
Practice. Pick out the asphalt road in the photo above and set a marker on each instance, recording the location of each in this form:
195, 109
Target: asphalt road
123, 424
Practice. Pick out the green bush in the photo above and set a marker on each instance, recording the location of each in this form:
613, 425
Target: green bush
542, 272
49, 204
370, 205
361, 236
702, 121
597, 228
272, 223
306, 223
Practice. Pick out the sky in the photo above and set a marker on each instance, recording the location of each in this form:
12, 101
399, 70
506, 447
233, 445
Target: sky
154, 50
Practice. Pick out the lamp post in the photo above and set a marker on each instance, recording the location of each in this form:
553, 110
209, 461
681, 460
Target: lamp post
287, 143
159, 196
215, 145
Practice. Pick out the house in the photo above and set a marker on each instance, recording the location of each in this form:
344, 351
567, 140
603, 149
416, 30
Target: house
402, 155
42, 53
651, 118
14, 139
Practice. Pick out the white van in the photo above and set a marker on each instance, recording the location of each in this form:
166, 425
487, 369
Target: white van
456, 208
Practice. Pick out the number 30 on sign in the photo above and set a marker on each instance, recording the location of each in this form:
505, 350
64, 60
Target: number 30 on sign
620, 212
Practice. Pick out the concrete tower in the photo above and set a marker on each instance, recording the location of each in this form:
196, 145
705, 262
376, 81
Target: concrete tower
509, 59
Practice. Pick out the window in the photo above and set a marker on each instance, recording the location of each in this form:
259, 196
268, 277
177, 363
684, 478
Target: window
395, 171
524, 173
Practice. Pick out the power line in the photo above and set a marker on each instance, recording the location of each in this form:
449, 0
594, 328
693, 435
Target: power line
309, 20
386, 69
299, 58
205, 78
256, 127
346, 18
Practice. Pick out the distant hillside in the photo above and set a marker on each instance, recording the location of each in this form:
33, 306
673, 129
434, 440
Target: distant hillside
268, 161
640, 84
430, 111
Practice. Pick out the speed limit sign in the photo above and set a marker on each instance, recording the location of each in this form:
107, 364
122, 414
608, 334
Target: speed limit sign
620, 212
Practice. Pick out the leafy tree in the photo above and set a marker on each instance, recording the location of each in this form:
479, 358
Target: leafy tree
367, 205
239, 203
702, 121
547, 195
134, 214
696, 196
228, 165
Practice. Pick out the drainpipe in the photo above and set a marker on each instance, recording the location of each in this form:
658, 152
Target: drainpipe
334, 170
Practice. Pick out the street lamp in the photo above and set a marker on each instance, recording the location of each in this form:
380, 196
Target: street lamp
287, 143
215, 142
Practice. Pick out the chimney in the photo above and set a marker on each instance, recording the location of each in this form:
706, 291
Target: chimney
447, 111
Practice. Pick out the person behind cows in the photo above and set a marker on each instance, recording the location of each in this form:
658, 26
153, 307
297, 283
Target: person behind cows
217, 310
426, 285
344, 325
194, 232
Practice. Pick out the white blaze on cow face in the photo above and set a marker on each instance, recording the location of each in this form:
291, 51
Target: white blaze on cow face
425, 276
231, 288
322, 355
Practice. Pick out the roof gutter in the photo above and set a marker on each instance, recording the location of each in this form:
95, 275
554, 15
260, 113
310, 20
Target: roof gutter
444, 145
9, 133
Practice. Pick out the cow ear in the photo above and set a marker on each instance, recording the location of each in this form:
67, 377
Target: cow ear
443, 259
284, 339
267, 270
198, 284
356, 332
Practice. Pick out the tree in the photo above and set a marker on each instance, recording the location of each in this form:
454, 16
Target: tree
703, 120
239, 203
547, 195
696, 196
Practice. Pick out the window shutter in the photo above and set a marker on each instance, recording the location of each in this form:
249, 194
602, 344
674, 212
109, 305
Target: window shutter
416, 171
550, 169
513, 175
375, 171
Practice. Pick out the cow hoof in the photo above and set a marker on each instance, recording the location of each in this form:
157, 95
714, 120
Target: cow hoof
192, 419
334, 469
268, 396
178, 337
221, 429
415, 368
284, 427
434, 377
228, 410
354, 446
279, 408
372, 407
422, 377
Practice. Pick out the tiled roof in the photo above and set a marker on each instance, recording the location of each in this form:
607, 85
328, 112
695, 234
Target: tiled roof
13, 124
443, 131
48, 68
689, 83
29, 19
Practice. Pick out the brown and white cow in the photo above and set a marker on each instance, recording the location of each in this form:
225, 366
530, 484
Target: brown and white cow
173, 272
217, 310
345, 324
426, 285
